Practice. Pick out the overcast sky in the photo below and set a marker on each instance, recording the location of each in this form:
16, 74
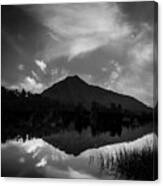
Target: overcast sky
106, 44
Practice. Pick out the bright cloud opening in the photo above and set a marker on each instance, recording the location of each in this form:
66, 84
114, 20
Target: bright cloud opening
41, 64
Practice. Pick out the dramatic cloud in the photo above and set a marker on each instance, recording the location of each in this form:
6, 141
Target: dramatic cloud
137, 78
41, 65
29, 84
76, 29
107, 44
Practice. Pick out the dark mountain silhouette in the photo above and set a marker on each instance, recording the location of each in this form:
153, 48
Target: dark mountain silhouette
69, 105
73, 90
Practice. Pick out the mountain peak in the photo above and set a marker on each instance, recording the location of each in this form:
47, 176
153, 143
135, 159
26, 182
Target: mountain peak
74, 90
73, 77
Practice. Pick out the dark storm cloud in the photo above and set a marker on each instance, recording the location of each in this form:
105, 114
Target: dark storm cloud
107, 44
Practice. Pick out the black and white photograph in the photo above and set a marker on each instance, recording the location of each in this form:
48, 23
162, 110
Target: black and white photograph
79, 86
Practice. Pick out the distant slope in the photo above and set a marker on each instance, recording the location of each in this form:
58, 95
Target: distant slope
74, 90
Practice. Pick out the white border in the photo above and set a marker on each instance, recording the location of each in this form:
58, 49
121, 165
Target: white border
62, 182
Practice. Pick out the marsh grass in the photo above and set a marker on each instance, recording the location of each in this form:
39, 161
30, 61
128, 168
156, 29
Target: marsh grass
133, 165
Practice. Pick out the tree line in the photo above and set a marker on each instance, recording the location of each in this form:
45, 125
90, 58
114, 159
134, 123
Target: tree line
24, 113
